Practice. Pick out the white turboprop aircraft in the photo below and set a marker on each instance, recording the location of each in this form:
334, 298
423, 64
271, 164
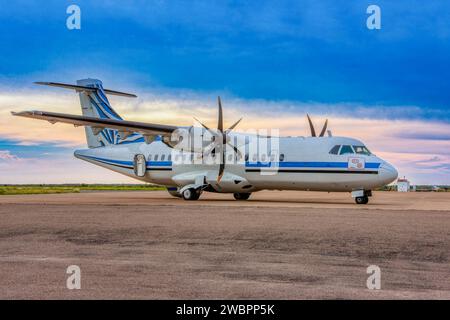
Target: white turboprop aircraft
158, 154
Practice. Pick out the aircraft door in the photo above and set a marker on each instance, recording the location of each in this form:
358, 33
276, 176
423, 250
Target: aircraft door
140, 165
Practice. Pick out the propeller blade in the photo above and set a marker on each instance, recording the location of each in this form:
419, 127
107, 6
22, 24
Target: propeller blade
324, 129
222, 142
204, 126
210, 149
235, 149
234, 125
313, 131
220, 120
222, 164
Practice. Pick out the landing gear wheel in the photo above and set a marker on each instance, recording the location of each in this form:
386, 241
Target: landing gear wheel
241, 196
362, 200
191, 194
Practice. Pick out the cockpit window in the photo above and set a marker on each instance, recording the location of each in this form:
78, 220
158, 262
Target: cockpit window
362, 150
335, 149
346, 150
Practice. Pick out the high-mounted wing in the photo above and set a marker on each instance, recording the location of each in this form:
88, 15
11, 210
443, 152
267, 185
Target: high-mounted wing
125, 128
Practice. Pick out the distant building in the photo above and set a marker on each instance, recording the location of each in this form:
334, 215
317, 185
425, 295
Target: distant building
403, 185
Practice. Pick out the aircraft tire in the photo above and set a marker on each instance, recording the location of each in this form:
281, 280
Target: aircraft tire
241, 196
191, 194
362, 200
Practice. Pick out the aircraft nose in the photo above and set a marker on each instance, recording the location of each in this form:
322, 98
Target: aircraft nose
387, 173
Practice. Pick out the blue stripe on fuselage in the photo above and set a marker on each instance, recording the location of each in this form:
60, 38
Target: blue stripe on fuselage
159, 163
291, 164
130, 163
369, 165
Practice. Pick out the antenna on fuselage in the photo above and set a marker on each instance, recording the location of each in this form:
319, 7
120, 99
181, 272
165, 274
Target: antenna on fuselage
313, 131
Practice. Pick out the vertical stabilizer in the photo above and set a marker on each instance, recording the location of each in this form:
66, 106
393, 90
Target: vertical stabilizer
95, 104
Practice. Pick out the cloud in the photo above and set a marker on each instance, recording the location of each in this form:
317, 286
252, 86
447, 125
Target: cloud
326, 19
429, 135
32, 132
5, 155
434, 159
284, 49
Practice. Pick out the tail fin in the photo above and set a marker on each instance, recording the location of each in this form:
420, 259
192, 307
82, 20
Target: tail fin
94, 103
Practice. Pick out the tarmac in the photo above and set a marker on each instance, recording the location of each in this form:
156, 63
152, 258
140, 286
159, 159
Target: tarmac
277, 245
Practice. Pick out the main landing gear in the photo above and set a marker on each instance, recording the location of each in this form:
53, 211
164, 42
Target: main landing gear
191, 194
241, 196
194, 194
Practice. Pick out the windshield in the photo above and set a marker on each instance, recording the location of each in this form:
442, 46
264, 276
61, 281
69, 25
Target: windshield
361, 150
335, 149
346, 150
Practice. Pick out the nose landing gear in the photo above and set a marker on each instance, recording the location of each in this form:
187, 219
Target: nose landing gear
362, 200
361, 196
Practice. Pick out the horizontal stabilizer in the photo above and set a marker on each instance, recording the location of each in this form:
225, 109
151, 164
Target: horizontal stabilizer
84, 88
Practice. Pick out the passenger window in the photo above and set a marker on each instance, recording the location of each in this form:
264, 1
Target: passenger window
254, 158
263, 158
346, 150
163, 157
156, 157
169, 158
335, 149
282, 157
246, 157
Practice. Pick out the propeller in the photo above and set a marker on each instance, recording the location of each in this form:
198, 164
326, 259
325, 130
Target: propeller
220, 139
313, 131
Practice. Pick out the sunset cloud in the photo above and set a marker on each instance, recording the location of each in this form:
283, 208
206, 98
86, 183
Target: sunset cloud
5, 155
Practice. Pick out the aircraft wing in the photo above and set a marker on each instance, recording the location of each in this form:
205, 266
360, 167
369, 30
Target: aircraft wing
124, 127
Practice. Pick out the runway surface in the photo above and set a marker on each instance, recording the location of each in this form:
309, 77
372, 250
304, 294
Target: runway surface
278, 245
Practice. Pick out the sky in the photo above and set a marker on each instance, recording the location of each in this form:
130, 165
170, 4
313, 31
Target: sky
270, 61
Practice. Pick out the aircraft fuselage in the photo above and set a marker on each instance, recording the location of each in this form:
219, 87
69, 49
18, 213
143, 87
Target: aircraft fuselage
303, 163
